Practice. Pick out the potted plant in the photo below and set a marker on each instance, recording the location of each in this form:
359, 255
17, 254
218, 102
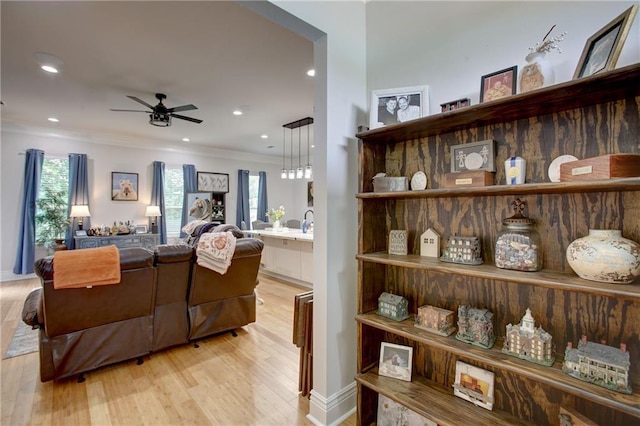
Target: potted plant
52, 217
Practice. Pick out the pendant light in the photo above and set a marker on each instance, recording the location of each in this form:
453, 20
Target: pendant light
308, 171
292, 173
299, 171
283, 172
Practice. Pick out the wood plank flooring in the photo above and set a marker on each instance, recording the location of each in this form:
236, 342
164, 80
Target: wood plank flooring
251, 379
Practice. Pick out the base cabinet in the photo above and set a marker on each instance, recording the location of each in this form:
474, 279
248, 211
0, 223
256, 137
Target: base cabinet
589, 117
148, 241
292, 259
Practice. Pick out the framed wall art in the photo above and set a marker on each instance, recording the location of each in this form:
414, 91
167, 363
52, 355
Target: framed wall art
602, 49
498, 84
141, 229
474, 156
200, 205
474, 384
213, 182
310, 194
395, 361
391, 413
393, 106
124, 186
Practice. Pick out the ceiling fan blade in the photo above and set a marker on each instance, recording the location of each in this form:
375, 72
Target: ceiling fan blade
182, 108
140, 101
182, 117
129, 110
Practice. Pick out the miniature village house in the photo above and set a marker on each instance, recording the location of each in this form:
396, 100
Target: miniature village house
464, 250
599, 364
435, 320
430, 243
475, 326
393, 306
528, 342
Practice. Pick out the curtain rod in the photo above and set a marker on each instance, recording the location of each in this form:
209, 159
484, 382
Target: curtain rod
55, 154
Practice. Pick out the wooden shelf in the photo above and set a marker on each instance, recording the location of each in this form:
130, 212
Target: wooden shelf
434, 402
542, 278
604, 87
551, 376
608, 185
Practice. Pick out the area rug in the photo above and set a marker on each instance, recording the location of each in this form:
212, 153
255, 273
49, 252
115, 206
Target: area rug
24, 341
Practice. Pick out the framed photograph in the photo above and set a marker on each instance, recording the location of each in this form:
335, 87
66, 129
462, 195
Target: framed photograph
310, 194
393, 106
141, 229
391, 413
453, 105
474, 384
200, 206
474, 156
602, 49
124, 186
498, 84
213, 182
81, 232
395, 361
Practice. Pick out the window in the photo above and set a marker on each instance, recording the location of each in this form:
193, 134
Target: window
54, 178
254, 180
173, 199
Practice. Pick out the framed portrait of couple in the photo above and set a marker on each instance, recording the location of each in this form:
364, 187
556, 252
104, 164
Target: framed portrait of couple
394, 106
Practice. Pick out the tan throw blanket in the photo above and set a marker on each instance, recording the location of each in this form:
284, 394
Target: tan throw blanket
215, 251
86, 267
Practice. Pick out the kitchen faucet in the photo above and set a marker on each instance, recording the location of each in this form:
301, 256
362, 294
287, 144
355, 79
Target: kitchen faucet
306, 225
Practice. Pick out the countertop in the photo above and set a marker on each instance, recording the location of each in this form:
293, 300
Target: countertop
285, 234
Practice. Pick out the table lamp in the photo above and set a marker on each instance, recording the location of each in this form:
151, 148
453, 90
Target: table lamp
153, 212
80, 211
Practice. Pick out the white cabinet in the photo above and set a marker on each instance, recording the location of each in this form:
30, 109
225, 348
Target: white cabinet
288, 258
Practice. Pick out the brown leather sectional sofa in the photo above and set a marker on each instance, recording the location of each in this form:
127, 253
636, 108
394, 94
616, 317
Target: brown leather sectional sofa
164, 299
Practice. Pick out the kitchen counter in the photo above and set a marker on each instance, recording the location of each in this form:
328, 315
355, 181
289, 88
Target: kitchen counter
285, 234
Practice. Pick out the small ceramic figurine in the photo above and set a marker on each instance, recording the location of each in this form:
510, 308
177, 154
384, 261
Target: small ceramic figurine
436, 320
475, 326
393, 307
527, 342
465, 250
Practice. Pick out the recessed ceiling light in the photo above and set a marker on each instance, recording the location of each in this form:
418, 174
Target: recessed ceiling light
186, 140
311, 73
313, 146
237, 112
264, 136
48, 62
53, 119
49, 68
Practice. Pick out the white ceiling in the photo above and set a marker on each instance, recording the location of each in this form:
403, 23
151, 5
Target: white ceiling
215, 55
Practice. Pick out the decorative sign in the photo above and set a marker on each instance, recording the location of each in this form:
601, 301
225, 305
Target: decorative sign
430, 243
398, 242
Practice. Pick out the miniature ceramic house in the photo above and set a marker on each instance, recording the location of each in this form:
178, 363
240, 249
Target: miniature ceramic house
430, 243
436, 320
465, 250
526, 342
475, 326
599, 364
393, 306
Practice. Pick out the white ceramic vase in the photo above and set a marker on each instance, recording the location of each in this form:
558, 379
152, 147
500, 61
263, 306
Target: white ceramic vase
605, 256
537, 73
276, 226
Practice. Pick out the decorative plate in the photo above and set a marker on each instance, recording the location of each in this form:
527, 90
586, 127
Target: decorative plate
418, 181
473, 161
554, 168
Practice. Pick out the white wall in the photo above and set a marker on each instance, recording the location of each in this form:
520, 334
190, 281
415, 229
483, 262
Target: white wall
115, 155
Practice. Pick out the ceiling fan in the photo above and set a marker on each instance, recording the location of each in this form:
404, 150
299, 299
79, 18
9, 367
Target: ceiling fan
160, 115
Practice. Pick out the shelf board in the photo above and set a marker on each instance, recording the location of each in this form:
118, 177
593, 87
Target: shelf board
594, 90
434, 402
542, 278
603, 185
550, 376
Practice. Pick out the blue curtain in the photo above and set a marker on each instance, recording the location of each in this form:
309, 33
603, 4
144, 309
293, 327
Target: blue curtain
157, 198
78, 193
190, 182
263, 204
26, 253
243, 213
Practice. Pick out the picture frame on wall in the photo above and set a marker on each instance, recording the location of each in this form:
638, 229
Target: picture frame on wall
124, 186
213, 182
395, 361
200, 205
393, 106
310, 194
602, 49
499, 84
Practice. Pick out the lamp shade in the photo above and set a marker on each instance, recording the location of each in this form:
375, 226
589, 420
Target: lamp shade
79, 211
153, 211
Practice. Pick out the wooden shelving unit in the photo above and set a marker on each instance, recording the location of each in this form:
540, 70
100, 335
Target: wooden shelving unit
586, 118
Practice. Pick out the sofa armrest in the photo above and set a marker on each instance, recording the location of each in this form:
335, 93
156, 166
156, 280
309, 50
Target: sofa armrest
32, 310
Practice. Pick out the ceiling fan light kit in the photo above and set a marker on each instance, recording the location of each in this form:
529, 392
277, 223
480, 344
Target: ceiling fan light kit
160, 115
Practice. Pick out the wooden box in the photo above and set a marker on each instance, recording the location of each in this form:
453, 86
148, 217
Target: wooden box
468, 179
602, 167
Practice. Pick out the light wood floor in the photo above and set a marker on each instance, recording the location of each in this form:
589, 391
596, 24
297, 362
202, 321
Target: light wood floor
251, 379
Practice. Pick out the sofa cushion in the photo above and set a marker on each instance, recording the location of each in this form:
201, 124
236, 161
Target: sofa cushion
173, 253
227, 227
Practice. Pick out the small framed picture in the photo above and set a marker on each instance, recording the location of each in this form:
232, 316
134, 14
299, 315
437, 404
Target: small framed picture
474, 156
393, 106
213, 182
498, 84
81, 232
602, 49
474, 384
395, 361
200, 206
124, 186
391, 413
141, 229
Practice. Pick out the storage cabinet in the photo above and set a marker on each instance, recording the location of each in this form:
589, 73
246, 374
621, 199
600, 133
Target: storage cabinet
148, 241
589, 117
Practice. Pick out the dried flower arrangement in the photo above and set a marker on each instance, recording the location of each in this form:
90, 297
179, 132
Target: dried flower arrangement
547, 45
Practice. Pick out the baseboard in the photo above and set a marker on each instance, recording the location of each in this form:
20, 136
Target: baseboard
10, 276
333, 410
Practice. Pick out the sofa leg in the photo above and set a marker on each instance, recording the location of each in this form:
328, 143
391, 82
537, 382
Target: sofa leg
140, 361
81, 378
233, 333
196, 345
